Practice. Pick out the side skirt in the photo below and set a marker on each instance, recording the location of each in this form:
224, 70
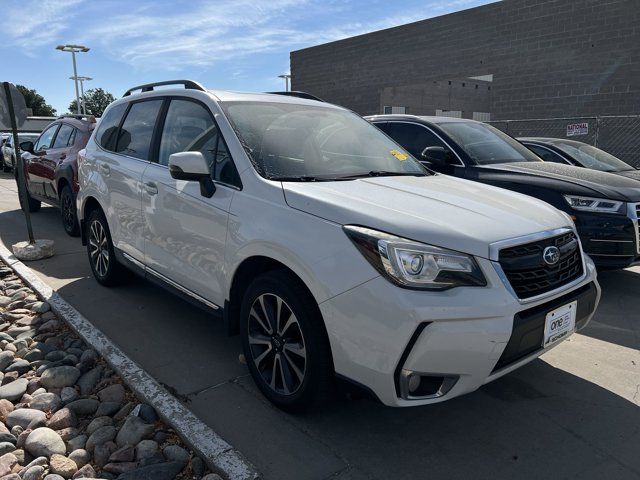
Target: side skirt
145, 272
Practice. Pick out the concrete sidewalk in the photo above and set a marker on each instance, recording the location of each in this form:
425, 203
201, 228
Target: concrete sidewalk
572, 414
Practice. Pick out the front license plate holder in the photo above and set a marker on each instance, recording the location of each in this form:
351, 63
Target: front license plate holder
559, 324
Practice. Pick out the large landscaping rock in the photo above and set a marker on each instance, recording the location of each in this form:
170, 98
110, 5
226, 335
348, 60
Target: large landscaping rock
13, 391
59, 377
44, 442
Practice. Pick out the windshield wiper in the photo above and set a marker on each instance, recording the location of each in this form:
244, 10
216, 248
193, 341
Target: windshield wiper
305, 178
385, 173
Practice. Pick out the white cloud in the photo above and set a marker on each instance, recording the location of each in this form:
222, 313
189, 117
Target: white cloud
169, 35
31, 24
216, 32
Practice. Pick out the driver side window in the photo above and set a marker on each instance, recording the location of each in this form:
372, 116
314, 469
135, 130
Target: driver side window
46, 139
189, 127
414, 138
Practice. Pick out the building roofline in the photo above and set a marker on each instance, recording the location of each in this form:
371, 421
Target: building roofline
491, 4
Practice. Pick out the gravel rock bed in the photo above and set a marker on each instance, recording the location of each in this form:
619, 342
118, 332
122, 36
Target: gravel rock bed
65, 414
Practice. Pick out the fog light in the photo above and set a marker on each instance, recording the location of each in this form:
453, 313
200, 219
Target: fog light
416, 386
413, 383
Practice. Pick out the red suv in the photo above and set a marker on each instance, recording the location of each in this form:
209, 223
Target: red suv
51, 167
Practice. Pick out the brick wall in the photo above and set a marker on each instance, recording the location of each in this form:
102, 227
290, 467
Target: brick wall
548, 58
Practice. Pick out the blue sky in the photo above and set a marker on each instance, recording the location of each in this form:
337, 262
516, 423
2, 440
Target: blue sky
229, 44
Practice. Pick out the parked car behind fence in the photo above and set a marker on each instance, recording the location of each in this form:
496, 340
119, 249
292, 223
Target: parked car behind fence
604, 206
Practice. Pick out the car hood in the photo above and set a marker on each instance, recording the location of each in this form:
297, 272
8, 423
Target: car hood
608, 185
440, 210
634, 174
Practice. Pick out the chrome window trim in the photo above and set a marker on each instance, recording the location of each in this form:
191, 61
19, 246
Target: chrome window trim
494, 252
461, 164
175, 285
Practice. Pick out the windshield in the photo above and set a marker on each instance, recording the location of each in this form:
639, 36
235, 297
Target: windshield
288, 141
487, 145
592, 157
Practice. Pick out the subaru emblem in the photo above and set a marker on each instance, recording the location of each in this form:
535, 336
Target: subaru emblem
551, 255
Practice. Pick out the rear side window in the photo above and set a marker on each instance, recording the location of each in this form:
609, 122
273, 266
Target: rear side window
134, 138
189, 127
108, 128
46, 139
63, 136
546, 155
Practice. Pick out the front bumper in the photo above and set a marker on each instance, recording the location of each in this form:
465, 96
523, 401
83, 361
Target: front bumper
613, 241
464, 336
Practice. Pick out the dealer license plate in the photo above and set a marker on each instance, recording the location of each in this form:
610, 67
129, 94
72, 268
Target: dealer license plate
559, 324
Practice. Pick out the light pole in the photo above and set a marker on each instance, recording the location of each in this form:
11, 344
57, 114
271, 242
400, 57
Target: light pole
74, 49
82, 80
286, 77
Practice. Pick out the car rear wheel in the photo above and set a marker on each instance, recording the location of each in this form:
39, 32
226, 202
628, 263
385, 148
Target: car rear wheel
100, 250
285, 342
5, 167
68, 212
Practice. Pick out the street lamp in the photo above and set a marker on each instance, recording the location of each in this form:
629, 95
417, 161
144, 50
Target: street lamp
74, 49
82, 80
286, 77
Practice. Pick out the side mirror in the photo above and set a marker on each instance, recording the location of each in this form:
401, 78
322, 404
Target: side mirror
192, 167
26, 146
437, 156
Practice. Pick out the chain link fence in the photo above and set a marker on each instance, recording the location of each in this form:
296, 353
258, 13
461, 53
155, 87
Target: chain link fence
620, 136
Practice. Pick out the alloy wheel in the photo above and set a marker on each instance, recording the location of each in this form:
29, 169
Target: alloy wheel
277, 344
99, 248
68, 216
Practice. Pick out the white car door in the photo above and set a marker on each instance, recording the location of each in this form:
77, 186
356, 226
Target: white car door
185, 231
120, 167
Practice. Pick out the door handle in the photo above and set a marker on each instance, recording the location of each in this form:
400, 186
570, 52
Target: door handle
105, 168
63, 156
151, 188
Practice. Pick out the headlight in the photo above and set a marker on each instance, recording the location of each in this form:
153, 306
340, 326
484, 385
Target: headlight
415, 265
588, 204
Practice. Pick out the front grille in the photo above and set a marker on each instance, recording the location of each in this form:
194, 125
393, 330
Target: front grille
528, 273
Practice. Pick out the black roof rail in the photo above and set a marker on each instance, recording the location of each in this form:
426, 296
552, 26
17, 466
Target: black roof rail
148, 87
78, 116
298, 94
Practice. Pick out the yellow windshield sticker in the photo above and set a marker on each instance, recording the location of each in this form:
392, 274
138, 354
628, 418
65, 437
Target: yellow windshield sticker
399, 155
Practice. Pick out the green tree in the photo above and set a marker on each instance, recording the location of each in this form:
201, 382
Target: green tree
36, 102
96, 101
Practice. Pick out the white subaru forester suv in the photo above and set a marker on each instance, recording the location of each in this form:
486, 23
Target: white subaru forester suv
331, 250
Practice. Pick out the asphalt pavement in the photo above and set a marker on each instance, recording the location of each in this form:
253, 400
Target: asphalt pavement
573, 413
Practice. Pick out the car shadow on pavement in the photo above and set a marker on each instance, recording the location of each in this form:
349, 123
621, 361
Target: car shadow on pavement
617, 319
538, 422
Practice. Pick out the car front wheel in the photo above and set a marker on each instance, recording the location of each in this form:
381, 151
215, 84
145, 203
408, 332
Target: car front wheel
285, 342
33, 205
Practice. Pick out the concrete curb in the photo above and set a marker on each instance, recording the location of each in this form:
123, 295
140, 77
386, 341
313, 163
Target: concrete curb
221, 457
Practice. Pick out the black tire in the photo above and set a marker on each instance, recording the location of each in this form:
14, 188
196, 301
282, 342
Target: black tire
5, 168
106, 270
68, 212
307, 334
33, 204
